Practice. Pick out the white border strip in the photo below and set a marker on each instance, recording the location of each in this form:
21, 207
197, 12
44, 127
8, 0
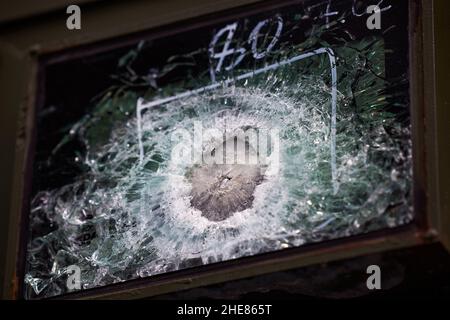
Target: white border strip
142, 105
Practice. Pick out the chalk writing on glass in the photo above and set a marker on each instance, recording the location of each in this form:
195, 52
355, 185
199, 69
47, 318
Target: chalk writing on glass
228, 32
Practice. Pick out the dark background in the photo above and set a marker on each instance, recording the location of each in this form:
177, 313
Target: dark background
418, 273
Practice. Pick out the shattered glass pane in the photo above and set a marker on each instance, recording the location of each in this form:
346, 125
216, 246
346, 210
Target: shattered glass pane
122, 192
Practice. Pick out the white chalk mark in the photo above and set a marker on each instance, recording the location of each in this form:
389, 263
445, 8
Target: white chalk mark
142, 105
226, 51
357, 14
329, 14
253, 38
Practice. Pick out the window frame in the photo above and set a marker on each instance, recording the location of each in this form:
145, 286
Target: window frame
24, 50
